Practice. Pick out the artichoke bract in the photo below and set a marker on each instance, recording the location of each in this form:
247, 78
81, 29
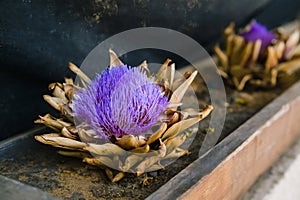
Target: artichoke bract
258, 57
125, 120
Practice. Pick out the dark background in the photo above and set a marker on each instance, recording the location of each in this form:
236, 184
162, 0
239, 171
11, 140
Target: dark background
38, 39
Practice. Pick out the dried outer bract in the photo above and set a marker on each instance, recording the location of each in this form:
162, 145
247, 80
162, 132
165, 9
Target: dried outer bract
114, 59
142, 149
75, 154
118, 177
155, 136
129, 152
106, 149
257, 57
184, 124
61, 142
65, 132
130, 141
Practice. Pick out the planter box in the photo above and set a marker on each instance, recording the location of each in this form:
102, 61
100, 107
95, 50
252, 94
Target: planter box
232, 166
225, 172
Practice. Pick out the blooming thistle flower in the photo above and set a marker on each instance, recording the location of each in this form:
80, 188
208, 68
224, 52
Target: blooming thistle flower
257, 56
256, 31
122, 105
120, 101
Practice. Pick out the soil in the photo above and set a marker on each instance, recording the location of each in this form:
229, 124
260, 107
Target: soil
68, 178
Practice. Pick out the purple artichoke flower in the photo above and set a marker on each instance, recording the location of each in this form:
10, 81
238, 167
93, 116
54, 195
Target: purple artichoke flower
258, 31
120, 101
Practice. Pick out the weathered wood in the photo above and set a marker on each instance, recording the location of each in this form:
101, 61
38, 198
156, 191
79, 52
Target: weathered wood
241, 168
231, 167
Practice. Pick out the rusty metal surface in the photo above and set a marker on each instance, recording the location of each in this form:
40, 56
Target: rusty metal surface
15, 190
25, 160
11, 189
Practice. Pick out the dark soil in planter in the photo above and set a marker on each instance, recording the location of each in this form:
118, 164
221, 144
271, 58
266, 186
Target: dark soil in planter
38, 165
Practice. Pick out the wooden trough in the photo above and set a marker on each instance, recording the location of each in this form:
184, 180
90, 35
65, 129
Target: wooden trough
232, 166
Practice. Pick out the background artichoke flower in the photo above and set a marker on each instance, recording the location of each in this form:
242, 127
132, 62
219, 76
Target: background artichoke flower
256, 31
257, 56
110, 121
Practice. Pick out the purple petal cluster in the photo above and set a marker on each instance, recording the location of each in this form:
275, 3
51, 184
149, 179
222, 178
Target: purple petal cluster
122, 100
258, 31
